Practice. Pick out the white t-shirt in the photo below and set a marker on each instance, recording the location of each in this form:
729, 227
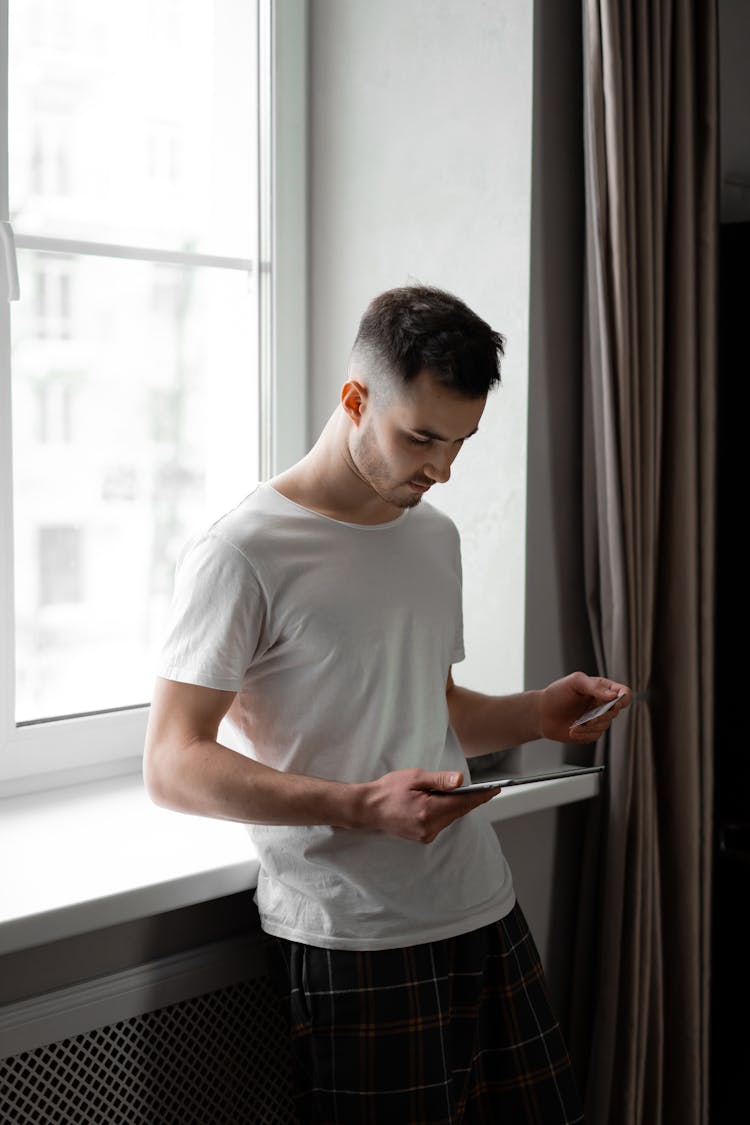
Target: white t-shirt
338, 639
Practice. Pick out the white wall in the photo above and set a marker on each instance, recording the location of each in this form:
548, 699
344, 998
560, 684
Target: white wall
420, 149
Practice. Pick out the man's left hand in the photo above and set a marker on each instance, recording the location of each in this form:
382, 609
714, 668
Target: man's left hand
566, 700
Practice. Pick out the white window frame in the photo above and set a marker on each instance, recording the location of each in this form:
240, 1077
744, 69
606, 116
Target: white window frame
69, 750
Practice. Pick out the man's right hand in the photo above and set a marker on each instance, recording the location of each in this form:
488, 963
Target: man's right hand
401, 803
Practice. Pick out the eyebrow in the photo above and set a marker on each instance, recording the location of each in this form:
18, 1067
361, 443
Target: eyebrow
439, 437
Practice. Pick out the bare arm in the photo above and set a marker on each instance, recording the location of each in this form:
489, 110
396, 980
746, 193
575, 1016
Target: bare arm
486, 723
186, 769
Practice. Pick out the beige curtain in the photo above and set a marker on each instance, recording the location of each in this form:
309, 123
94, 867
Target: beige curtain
640, 1015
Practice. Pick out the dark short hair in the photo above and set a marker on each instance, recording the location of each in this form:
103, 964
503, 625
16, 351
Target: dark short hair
418, 328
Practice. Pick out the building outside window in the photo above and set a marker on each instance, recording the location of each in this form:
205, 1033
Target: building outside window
138, 353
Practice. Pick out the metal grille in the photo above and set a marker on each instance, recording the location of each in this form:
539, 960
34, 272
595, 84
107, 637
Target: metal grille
219, 1059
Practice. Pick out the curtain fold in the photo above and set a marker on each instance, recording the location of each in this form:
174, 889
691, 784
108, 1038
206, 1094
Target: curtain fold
649, 403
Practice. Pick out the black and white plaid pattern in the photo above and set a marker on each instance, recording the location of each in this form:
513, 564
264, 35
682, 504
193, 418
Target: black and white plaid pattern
449, 1032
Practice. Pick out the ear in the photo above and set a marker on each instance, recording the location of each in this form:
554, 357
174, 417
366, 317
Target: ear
354, 400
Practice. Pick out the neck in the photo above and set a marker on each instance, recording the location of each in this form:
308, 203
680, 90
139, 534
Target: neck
326, 481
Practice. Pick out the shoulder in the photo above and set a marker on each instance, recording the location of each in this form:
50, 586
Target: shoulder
428, 517
246, 527
257, 541
435, 532
226, 546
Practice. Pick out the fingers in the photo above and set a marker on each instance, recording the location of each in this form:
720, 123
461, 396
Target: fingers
445, 781
444, 808
621, 691
444, 784
594, 723
401, 803
600, 688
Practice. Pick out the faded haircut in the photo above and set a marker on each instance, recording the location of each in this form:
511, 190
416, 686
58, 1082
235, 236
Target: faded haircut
418, 328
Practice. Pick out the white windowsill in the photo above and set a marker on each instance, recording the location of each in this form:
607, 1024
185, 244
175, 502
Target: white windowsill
95, 855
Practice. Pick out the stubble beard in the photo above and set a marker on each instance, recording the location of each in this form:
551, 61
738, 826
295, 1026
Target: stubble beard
369, 467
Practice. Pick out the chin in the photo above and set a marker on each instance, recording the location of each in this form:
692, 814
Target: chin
406, 501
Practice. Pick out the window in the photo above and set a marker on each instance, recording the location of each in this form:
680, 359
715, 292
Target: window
51, 283
60, 577
142, 380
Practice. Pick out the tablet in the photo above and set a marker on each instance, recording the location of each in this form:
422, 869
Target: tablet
519, 779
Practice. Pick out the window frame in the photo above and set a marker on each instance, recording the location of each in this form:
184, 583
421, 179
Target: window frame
54, 752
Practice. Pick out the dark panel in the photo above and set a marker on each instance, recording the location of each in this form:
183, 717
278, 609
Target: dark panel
59, 964
730, 975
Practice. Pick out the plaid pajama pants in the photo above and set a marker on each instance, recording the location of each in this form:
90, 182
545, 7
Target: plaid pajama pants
453, 1032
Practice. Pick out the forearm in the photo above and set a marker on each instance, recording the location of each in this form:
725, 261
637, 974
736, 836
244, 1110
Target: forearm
186, 768
206, 778
486, 723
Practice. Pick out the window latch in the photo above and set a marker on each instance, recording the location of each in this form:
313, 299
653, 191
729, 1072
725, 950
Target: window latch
8, 263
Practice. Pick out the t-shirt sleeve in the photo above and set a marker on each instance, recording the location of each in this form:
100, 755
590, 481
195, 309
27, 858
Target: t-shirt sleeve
459, 652
217, 617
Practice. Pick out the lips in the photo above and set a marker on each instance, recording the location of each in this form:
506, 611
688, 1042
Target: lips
421, 486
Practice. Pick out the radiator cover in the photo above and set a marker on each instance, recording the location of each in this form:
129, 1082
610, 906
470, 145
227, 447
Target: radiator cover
216, 1059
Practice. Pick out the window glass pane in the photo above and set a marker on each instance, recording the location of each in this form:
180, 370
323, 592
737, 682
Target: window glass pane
59, 557
135, 420
135, 123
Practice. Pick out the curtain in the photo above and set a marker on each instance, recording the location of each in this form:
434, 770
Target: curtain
639, 1028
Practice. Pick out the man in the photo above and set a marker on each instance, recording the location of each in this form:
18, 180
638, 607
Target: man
306, 690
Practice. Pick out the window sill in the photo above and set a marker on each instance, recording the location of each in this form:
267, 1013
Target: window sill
101, 854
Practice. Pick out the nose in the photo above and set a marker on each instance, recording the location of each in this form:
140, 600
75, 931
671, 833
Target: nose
439, 470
